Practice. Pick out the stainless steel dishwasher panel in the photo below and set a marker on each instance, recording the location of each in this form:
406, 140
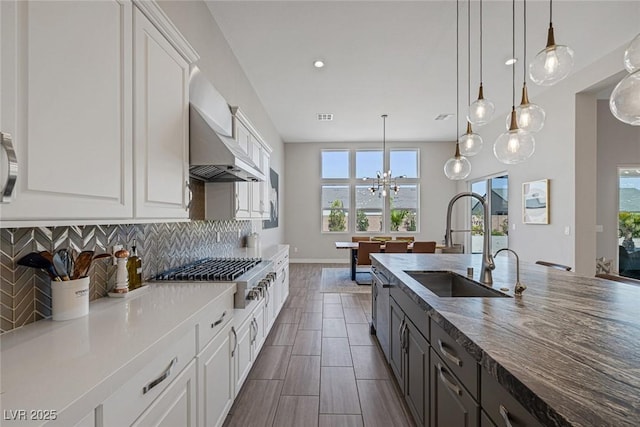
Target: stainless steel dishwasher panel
380, 308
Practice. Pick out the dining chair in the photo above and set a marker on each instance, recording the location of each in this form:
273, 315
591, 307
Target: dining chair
554, 265
424, 247
360, 239
396, 246
406, 238
364, 249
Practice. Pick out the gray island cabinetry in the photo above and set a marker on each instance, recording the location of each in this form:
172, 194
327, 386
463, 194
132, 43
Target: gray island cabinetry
535, 360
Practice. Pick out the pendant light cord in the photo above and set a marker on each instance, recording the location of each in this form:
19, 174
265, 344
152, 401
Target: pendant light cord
524, 42
480, 42
550, 12
468, 52
513, 50
457, 71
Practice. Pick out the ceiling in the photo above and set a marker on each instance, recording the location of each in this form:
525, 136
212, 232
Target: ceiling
399, 58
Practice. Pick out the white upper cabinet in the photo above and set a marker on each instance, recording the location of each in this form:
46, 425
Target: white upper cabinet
161, 126
78, 116
67, 103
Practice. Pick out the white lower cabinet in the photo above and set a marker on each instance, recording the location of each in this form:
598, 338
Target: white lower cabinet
176, 406
215, 380
242, 354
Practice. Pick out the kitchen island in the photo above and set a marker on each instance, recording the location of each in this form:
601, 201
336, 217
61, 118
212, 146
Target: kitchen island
567, 350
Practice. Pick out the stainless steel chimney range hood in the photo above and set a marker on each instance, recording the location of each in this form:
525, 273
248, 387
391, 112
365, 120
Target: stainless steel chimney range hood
214, 155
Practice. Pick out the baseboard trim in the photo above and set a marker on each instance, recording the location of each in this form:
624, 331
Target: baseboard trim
318, 261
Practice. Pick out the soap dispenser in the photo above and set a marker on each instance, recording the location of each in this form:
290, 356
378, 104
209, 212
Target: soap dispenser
134, 268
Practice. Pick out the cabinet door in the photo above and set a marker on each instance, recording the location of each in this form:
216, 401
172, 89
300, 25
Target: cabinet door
66, 101
451, 403
243, 200
417, 374
396, 353
284, 277
176, 406
243, 353
161, 127
260, 328
215, 376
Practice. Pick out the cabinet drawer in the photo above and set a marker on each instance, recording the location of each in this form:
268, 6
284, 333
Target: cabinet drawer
418, 316
130, 400
485, 421
214, 318
457, 359
501, 406
451, 403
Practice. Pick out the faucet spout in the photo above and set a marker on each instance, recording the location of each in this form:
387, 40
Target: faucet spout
519, 289
487, 260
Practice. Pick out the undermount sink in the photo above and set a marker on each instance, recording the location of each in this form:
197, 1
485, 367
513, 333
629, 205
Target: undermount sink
448, 284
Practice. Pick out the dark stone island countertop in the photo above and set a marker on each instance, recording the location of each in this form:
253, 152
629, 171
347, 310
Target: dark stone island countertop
568, 349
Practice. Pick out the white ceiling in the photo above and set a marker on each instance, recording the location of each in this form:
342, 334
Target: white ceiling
399, 58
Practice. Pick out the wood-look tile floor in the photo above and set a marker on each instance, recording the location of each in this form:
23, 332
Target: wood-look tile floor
319, 366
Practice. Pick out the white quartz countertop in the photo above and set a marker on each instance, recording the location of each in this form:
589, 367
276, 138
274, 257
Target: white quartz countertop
74, 365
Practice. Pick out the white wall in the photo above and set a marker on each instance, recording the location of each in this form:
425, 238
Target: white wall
222, 68
567, 158
618, 145
303, 205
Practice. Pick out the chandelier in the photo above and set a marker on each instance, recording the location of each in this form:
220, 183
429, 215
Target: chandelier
384, 182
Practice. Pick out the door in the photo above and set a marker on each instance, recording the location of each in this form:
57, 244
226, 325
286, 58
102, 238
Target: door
417, 374
161, 128
176, 406
451, 404
66, 102
396, 354
215, 374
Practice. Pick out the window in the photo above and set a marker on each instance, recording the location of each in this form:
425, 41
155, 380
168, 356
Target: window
498, 187
335, 208
347, 202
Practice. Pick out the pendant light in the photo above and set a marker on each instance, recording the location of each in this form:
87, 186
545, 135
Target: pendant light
384, 182
624, 102
457, 167
481, 111
515, 145
530, 116
554, 62
470, 143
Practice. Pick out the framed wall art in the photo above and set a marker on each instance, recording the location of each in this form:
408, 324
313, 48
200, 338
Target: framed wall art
535, 202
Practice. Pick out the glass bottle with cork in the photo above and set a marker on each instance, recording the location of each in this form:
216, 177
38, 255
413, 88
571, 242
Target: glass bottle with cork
134, 268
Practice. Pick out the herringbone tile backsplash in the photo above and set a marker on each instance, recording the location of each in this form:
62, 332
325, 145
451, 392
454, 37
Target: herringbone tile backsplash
25, 293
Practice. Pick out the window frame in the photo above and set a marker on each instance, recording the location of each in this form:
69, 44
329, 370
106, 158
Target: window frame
354, 182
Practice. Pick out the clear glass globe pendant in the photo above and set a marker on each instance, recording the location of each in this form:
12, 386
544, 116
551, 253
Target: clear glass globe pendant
632, 55
624, 102
530, 116
470, 143
515, 145
625, 99
551, 64
457, 167
481, 110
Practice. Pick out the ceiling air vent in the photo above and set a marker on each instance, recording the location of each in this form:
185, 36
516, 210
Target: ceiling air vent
444, 116
325, 117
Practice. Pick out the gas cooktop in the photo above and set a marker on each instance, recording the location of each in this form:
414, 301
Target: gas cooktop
211, 269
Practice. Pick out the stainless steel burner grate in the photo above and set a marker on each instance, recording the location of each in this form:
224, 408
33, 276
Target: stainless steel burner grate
211, 269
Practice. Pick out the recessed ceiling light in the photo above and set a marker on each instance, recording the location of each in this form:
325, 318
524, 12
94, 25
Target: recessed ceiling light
510, 61
443, 116
325, 117
318, 63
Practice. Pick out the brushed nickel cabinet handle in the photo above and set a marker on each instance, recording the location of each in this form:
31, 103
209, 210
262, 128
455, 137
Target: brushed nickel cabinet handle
448, 355
217, 322
161, 378
235, 341
12, 175
190, 202
454, 388
505, 416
